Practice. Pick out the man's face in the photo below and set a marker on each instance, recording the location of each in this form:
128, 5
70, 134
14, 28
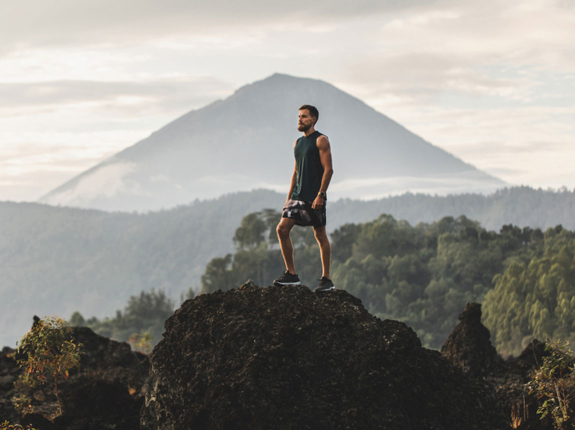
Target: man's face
305, 121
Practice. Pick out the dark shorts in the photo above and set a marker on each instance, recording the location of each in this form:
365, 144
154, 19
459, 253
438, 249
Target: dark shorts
304, 214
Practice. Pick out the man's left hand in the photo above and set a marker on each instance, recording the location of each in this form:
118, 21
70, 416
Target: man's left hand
318, 202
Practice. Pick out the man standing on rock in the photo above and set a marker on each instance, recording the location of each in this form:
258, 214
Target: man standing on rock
306, 199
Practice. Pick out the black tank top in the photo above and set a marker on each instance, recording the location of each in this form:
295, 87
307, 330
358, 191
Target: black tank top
308, 167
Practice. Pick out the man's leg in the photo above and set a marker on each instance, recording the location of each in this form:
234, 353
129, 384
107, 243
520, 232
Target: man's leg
283, 230
324, 248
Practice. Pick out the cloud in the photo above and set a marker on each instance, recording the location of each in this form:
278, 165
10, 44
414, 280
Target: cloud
415, 78
29, 23
106, 181
522, 145
475, 49
167, 95
505, 171
33, 163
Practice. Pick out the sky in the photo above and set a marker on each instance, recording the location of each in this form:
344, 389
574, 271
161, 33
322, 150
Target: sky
492, 82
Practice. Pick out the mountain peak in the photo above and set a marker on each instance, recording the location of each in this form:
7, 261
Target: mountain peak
246, 142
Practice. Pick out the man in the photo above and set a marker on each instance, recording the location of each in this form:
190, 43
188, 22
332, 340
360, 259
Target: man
305, 205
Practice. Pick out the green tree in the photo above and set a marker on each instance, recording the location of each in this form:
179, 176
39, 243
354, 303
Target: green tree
77, 320
251, 231
150, 305
217, 275
342, 241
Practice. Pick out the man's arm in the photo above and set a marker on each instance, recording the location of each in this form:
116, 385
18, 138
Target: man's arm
325, 157
293, 178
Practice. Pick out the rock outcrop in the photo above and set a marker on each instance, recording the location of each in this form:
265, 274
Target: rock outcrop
469, 347
288, 358
104, 393
9, 372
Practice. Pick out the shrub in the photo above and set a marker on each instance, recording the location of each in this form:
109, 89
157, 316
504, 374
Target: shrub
7, 426
554, 383
50, 353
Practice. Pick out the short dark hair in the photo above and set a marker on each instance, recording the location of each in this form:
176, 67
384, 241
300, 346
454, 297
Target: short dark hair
312, 111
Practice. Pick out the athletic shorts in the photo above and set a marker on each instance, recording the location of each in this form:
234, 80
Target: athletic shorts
304, 214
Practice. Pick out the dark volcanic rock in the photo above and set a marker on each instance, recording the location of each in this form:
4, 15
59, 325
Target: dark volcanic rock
99, 352
38, 421
288, 358
531, 358
510, 382
96, 399
100, 397
469, 347
9, 372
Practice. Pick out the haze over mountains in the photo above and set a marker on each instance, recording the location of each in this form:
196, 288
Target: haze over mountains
245, 142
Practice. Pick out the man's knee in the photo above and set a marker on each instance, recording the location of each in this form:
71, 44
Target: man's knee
283, 230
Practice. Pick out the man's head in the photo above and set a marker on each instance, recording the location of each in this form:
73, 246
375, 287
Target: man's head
308, 116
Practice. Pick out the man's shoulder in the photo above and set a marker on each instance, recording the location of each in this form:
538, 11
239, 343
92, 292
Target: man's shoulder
322, 141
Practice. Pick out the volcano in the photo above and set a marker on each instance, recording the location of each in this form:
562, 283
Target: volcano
246, 142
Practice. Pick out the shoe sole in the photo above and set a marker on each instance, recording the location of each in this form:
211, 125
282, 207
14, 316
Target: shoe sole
321, 290
281, 284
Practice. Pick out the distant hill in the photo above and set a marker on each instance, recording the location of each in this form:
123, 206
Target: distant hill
59, 259
245, 142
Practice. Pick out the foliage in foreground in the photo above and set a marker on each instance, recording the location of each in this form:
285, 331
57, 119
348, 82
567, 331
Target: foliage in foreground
7, 426
50, 353
554, 384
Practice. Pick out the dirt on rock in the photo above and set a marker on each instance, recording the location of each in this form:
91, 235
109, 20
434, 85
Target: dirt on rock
288, 358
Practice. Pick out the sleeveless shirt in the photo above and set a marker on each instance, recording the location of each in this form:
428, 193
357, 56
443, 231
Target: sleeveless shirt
308, 167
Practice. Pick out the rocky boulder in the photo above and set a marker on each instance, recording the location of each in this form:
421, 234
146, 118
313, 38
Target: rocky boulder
288, 358
9, 372
469, 347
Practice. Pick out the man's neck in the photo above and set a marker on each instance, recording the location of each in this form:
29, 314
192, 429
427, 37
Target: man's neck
309, 131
